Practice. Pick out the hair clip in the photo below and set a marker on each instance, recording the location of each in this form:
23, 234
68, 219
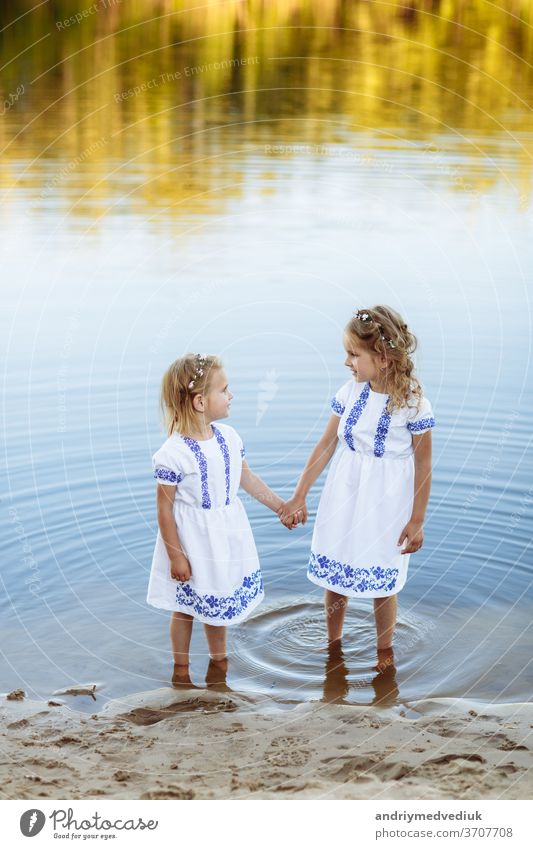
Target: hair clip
202, 359
365, 317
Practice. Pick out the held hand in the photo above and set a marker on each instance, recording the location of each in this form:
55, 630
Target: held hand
180, 568
414, 534
293, 512
295, 505
291, 521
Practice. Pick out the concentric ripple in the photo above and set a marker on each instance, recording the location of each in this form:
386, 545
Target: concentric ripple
283, 650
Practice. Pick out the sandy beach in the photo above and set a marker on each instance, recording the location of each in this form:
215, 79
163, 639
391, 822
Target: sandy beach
204, 744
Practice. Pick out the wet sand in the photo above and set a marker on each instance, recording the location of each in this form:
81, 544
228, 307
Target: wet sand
216, 744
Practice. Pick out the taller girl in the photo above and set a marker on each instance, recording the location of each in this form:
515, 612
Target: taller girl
377, 488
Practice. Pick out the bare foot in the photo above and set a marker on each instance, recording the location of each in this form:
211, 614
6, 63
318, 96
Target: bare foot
385, 659
220, 662
216, 674
180, 676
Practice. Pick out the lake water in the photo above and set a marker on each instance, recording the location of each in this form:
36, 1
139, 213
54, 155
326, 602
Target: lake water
246, 211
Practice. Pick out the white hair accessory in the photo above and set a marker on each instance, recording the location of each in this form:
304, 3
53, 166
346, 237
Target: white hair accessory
201, 360
366, 318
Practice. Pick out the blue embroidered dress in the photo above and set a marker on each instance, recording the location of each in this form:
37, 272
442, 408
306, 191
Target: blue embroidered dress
226, 582
368, 495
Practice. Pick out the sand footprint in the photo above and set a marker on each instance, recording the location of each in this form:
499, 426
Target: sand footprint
170, 792
288, 751
504, 743
150, 716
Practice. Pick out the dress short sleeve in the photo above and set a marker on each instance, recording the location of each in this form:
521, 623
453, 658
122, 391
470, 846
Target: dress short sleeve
338, 402
418, 421
236, 443
165, 465
239, 444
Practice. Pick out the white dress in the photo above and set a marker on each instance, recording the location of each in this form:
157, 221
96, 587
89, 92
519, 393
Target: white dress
226, 582
368, 495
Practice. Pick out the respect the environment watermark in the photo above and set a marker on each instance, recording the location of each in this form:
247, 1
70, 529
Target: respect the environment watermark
33, 578
11, 99
186, 72
82, 14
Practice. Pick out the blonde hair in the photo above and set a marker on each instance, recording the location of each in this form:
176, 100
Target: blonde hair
383, 326
176, 397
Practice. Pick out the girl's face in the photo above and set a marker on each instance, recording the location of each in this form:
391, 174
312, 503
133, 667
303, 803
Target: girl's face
361, 362
217, 400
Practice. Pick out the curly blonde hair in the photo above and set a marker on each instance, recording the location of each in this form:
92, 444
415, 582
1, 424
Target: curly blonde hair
381, 330
186, 377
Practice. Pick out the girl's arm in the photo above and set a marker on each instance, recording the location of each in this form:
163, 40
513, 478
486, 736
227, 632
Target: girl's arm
258, 489
317, 462
413, 531
180, 568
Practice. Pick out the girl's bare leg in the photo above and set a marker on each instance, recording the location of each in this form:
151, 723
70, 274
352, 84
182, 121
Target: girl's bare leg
180, 638
335, 605
216, 640
385, 610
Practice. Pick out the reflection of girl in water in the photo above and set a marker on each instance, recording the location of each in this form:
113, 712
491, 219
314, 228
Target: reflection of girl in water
337, 686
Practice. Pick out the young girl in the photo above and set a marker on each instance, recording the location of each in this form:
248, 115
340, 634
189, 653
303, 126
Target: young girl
205, 563
378, 485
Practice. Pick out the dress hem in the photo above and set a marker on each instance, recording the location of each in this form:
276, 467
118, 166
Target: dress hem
320, 582
180, 608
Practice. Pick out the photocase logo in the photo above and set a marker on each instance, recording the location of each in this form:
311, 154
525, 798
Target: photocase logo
268, 389
32, 822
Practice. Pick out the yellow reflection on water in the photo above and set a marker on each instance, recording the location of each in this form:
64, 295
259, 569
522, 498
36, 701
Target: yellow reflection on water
171, 109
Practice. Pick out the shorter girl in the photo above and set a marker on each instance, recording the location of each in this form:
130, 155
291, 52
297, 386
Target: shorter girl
205, 563
377, 488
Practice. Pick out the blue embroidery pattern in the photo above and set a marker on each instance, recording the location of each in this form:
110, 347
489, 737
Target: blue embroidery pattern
202, 462
348, 577
221, 607
355, 412
421, 425
337, 407
225, 453
381, 433
167, 475
243, 451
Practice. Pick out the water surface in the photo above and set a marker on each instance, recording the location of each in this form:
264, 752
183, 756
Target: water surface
246, 210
